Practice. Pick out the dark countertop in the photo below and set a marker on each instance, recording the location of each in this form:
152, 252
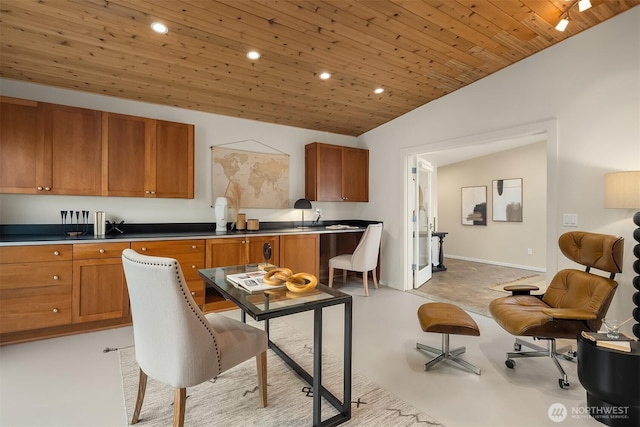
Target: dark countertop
15, 235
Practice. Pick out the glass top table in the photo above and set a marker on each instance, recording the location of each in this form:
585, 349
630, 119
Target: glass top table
279, 302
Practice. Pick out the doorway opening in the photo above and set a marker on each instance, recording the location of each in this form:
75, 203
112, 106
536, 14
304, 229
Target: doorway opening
443, 153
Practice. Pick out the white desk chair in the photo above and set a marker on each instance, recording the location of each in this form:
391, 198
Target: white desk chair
175, 343
363, 259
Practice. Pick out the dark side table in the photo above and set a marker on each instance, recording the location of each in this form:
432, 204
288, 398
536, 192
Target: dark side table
440, 235
612, 381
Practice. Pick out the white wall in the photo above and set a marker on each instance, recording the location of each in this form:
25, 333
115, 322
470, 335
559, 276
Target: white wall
589, 83
210, 129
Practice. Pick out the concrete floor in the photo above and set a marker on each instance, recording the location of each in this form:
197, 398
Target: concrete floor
69, 381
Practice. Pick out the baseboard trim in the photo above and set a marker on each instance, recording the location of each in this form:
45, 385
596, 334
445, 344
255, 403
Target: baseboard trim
503, 264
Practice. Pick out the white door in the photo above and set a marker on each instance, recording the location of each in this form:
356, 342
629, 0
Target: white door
422, 225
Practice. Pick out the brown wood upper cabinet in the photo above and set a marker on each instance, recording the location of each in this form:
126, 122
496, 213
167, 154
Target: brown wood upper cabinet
146, 157
56, 149
335, 173
49, 149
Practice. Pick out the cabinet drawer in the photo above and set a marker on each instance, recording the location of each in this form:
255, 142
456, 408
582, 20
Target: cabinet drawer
36, 253
99, 250
30, 275
169, 248
197, 291
25, 309
190, 265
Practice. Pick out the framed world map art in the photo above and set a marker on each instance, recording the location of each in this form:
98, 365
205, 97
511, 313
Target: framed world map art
250, 179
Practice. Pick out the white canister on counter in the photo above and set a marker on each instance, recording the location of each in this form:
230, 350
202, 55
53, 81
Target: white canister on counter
99, 224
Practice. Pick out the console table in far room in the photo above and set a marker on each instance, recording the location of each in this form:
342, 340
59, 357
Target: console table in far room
440, 235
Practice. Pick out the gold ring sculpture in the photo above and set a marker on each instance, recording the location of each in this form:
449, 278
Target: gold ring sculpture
299, 282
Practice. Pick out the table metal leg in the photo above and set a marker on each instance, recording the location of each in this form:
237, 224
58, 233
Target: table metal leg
317, 366
315, 381
346, 408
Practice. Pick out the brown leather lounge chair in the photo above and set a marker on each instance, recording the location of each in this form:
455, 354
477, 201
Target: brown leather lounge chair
575, 300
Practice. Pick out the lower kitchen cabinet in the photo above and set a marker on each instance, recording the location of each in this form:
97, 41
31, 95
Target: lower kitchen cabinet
99, 285
54, 290
223, 252
190, 255
300, 253
35, 287
241, 250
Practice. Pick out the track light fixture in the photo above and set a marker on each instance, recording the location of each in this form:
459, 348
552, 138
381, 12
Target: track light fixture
582, 6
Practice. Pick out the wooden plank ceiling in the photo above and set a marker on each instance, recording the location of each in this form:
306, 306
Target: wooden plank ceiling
417, 50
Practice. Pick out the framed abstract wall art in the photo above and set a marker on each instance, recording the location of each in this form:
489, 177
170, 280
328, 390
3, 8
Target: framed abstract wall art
507, 200
474, 205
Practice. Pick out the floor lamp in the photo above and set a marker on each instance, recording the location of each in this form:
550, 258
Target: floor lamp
622, 191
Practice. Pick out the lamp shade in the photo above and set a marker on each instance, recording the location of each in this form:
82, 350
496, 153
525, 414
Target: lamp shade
622, 190
302, 204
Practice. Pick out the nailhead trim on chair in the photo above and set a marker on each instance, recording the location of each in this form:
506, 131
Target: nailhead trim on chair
195, 310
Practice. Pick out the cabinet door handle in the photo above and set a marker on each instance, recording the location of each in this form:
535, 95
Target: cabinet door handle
55, 310
56, 277
147, 192
153, 192
101, 251
56, 253
194, 247
40, 188
47, 188
144, 249
193, 294
194, 266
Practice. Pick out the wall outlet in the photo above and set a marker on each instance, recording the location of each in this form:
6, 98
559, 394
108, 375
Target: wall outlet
570, 220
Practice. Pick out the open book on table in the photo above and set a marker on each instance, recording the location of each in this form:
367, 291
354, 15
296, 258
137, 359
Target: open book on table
252, 281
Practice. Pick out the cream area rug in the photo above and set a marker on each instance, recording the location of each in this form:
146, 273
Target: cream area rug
232, 398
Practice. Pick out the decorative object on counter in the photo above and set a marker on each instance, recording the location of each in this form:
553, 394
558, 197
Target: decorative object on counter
114, 226
99, 224
302, 204
253, 225
299, 282
241, 221
233, 193
221, 215
267, 252
622, 191
251, 173
80, 228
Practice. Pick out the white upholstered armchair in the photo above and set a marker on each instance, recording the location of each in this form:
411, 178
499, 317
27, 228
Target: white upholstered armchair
363, 259
175, 342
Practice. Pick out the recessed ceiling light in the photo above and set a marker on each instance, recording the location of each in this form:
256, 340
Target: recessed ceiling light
159, 27
325, 76
253, 55
378, 90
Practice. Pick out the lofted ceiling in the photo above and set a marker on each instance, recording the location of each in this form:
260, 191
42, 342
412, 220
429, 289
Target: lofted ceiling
416, 50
